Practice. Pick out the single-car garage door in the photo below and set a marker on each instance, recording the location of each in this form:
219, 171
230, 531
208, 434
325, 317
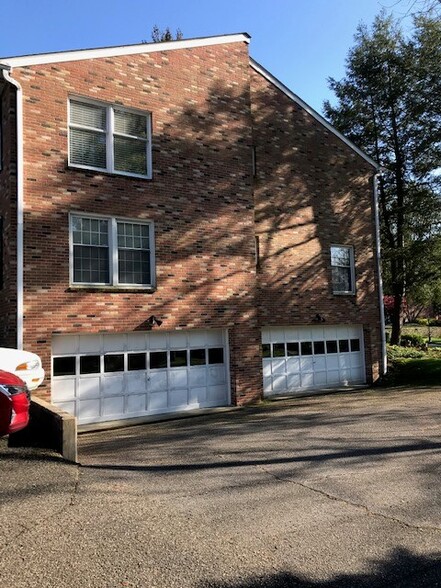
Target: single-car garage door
107, 377
296, 359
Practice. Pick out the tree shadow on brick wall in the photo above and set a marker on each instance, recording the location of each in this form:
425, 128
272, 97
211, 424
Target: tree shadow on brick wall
201, 200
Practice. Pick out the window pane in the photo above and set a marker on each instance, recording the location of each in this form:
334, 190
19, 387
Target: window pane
355, 344
197, 357
266, 350
341, 279
340, 256
343, 345
216, 355
158, 360
130, 123
90, 364
279, 350
133, 266
133, 236
91, 265
130, 155
137, 361
87, 231
178, 358
331, 346
306, 347
292, 349
88, 115
319, 347
87, 148
64, 366
114, 363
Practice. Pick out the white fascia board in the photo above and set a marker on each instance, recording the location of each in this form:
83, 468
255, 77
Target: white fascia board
80, 54
266, 74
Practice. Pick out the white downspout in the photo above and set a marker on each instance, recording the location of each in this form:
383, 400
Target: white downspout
19, 120
380, 280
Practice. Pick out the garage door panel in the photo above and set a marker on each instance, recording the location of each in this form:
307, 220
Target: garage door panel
67, 406
158, 381
136, 342
320, 379
293, 364
113, 406
136, 403
307, 380
293, 381
178, 378
306, 364
279, 383
112, 385
279, 366
157, 401
88, 410
319, 363
116, 375
215, 393
178, 399
197, 395
216, 375
63, 390
89, 387
344, 361
89, 343
135, 382
197, 377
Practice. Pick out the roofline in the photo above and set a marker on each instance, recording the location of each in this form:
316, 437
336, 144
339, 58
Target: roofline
266, 74
80, 54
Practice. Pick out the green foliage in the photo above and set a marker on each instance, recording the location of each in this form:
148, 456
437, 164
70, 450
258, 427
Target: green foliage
395, 352
414, 340
159, 36
389, 104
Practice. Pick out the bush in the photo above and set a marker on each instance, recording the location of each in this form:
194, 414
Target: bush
412, 340
397, 352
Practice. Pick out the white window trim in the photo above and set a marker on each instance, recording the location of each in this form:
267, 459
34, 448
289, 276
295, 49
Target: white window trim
110, 133
113, 253
352, 268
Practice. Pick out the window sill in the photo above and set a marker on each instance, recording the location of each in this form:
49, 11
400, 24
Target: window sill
104, 172
344, 293
114, 289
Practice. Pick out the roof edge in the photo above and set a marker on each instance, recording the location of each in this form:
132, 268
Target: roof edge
266, 74
119, 50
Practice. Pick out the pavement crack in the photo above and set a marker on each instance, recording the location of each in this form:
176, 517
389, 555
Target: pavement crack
354, 504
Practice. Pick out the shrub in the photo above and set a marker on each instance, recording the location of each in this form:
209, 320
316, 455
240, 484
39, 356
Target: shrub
412, 340
397, 352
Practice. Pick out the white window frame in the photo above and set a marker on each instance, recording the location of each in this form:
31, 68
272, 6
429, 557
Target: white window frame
110, 133
113, 252
350, 248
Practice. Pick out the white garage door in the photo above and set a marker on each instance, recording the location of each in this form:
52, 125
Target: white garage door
295, 359
107, 377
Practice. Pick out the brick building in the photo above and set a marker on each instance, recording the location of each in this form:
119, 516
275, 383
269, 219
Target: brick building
181, 231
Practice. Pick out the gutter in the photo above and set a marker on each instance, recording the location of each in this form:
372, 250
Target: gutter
380, 280
6, 72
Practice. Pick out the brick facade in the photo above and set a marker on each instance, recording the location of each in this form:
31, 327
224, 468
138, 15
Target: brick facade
209, 108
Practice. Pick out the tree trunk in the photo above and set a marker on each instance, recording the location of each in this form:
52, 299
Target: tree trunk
397, 322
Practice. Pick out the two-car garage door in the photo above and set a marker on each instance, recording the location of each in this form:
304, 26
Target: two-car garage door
302, 358
109, 377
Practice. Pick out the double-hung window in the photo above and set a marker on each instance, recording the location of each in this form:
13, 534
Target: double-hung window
343, 269
109, 138
111, 252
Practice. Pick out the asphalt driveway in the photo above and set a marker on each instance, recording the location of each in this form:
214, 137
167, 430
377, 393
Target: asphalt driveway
322, 492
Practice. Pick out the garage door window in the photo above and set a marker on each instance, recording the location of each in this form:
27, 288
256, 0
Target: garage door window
90, 364
64, 366
136, 361
114, 363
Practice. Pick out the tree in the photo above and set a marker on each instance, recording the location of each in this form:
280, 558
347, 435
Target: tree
389, 104
159, 36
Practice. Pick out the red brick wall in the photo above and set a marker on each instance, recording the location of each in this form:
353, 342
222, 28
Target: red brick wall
311, 191
8, 211
200, 200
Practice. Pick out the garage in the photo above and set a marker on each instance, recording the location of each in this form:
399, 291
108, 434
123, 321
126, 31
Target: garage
308, 358
118, 376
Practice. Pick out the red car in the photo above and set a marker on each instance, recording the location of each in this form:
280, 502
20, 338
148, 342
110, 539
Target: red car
15, 400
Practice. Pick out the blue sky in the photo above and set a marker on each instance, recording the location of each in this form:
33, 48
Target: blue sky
302, 42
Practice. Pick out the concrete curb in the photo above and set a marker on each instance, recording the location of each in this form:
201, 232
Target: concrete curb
49, 428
